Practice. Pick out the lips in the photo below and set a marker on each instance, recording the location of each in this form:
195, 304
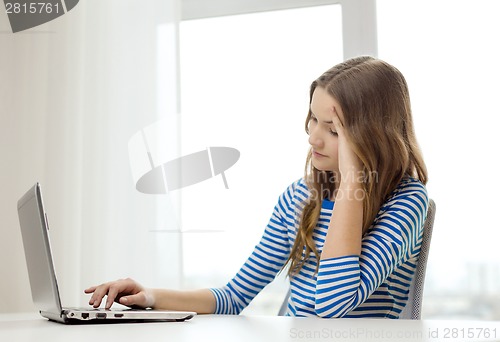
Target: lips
317, 154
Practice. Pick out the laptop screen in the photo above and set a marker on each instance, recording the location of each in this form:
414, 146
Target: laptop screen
36, 243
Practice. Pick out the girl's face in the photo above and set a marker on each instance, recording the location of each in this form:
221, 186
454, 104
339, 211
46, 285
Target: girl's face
322, 134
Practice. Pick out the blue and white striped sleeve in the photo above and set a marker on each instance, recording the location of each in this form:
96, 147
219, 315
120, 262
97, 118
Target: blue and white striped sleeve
346, 282
266, 260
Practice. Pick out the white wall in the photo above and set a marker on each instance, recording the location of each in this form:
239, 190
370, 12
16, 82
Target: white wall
73, 92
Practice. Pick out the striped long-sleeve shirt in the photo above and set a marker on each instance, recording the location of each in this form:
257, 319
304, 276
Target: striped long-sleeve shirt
372, 284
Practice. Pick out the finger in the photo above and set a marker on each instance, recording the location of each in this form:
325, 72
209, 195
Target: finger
336, 120
95, 301
132, 300
141, 299
98, 294
112, 293
90, 289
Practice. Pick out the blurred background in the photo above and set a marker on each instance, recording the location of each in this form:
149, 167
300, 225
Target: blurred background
74, 91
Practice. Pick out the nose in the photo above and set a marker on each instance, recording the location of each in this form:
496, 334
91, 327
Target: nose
315, 139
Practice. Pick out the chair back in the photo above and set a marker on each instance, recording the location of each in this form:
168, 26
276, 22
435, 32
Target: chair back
413, 308
284, 305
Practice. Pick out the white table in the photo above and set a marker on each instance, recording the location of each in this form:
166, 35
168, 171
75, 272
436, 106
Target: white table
220, 328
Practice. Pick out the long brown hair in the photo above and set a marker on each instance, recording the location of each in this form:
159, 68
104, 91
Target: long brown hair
374, 99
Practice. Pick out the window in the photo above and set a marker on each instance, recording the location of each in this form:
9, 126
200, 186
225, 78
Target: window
447, 52
245, 84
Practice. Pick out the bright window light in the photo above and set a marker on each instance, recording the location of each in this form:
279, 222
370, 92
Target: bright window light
448, 52
245, 84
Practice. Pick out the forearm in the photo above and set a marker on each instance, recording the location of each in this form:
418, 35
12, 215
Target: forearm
200, 301
346, 223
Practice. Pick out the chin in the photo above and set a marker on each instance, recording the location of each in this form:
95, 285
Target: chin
321, 167
326, 168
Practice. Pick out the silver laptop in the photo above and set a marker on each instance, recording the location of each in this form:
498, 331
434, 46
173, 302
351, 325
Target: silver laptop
44, 290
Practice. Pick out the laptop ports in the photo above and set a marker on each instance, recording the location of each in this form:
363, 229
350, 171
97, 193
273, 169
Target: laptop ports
85, 315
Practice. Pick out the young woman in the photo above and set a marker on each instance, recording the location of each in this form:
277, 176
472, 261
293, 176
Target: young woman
348, 232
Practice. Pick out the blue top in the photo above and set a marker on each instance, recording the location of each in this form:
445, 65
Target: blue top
374, 284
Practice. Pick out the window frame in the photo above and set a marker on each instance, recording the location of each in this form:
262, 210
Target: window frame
359, 19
